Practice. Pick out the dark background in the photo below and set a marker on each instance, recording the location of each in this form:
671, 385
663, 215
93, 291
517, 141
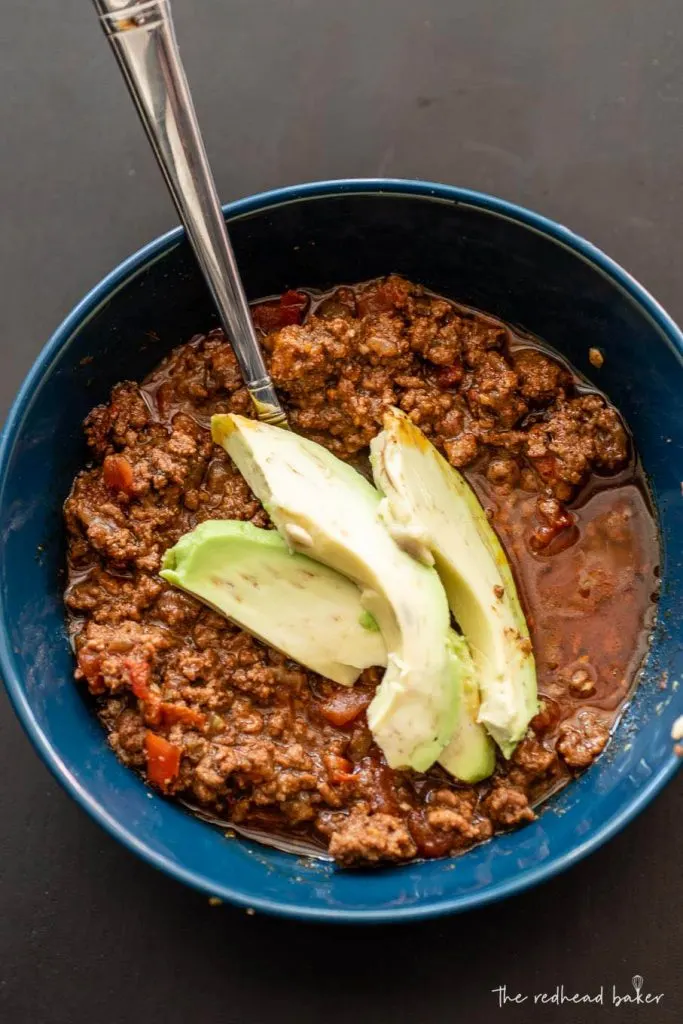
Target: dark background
574, 107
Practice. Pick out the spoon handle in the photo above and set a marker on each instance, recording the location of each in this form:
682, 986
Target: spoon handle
143, 39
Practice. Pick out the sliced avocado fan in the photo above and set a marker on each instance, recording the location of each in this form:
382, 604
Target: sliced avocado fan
430, 507
314, 615
302, 608
325, 509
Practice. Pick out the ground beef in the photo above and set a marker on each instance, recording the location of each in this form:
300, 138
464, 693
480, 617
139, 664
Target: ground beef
503, 472
113, 599
127, 735
541, 379
533, 760
508, 806
304, 361
212, 715
493, 391
461, 450
580, 742
578, 436
118, 423
456, 814
367, 838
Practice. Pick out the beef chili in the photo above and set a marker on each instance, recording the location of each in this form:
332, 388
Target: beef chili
212, 716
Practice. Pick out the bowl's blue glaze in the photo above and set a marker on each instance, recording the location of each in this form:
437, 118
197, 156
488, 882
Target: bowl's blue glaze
472, 247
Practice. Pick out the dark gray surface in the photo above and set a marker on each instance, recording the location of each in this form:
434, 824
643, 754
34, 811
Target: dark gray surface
574, 107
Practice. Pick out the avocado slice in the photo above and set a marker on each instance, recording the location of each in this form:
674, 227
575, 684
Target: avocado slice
304, 609
471, 754
324, 508
431, 501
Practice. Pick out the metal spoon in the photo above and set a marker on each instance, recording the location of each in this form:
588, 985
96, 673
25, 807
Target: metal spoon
143, 39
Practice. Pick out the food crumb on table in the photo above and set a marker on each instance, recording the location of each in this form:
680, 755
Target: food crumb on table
596, 358
677, 729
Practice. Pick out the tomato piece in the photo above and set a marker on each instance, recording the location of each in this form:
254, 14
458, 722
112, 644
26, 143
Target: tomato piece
383, 796
118, 473
340, 768
557, 521
343, 707
294, 300
163, 760
429, 842
172, 713
90, 664
290, 316
140, 675
552, 540
266, 317
287, 310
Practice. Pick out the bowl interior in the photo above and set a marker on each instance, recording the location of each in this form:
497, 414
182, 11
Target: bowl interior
473, 249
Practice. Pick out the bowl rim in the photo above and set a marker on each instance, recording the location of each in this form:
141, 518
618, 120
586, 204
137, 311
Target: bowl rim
101, 293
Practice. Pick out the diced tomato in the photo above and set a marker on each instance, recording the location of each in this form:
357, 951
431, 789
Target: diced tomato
163, 760
266, 317
553, 539
294, 301
90, 663
289, 309
140, 675
384, 798
340, 768
172, 713
557, 521
429, 842
118, 473
345, 706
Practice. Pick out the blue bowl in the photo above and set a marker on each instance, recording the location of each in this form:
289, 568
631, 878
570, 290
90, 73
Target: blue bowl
479, 250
